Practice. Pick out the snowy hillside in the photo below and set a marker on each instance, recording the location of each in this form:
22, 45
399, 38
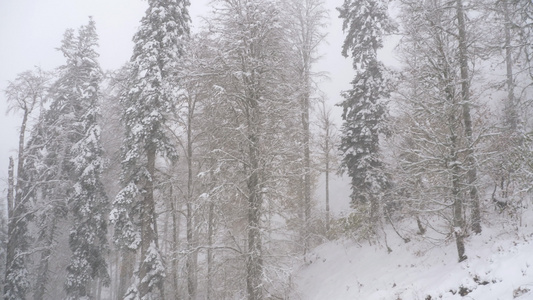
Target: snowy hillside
499, 266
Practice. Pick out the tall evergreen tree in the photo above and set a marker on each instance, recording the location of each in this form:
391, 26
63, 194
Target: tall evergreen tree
159, 44
45, 184
62, 168
80, 79
364, 109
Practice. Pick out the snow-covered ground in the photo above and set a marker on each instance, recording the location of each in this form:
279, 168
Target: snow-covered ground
499, 266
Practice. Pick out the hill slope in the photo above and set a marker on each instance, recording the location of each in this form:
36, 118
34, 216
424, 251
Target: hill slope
499, 266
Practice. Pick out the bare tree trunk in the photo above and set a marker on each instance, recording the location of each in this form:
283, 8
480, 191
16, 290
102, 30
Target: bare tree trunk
17, 226
210, 233
10, 195
112, 274
127, 265
175, 243
512, 115
306, 36
254, 262
254, 259
465, 93
191, 244
99, 289
458, 221
327, 129
307, 157
149, 232
454, 166
43, 270
10, 251
20, 163
327, 188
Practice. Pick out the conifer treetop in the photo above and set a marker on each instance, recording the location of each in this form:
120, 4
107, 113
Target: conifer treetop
365, 23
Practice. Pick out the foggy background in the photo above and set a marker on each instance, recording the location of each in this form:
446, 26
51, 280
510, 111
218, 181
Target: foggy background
30, 32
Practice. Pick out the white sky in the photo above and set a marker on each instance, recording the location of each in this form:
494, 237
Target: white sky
31, 30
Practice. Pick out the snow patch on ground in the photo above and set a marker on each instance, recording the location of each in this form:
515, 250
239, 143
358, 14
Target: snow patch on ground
499, 266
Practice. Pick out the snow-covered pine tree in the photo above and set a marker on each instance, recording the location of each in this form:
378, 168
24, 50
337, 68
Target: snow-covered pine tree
64, 133
88, 202
158, 48
43, 186
364, 107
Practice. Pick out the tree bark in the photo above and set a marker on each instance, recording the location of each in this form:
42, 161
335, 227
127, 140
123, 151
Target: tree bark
191, 243
327, 185
307, 155
211, 227
458, 221
254, 262
254, 259
307, 27
149, 231
43, 270
10, 247
175, 243
127, 264
10, 195
512, 115
467, 119
210, 256
98, 289
20, 163
17, 227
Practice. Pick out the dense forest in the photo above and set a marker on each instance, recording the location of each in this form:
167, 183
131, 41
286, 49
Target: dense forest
192, 171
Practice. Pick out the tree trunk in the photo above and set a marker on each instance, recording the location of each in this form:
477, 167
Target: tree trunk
175, 243
10, 251
210, 233
43, 270
307, 160
465, 93
458, 221
511, 113
191, 244
127, 265
211, 227
149, 233
454, 165
113, 268
327, 186
98, 289
20, 163
254, 259
10, 201
16, 209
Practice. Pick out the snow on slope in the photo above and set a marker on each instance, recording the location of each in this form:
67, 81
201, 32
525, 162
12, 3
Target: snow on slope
499, 266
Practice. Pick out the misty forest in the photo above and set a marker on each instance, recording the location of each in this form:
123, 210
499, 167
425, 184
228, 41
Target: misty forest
192, 172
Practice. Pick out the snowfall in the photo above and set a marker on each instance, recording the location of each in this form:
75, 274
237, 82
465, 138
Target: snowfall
499, 266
